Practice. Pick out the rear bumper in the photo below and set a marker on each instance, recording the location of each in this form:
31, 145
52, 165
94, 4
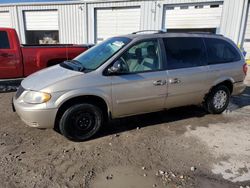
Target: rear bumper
238, 88
35, 117
247, 79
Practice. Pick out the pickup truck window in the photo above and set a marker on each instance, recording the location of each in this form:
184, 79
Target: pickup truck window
97, 55
4, 41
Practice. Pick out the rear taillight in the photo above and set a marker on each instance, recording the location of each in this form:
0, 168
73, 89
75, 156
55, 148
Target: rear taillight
245, 68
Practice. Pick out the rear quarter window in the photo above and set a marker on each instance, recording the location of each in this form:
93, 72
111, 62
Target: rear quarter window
184, 52
4, 41
220, 51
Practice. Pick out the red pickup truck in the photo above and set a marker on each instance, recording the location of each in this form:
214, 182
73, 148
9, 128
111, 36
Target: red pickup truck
18, 61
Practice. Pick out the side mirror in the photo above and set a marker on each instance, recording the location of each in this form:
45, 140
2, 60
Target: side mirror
116, 68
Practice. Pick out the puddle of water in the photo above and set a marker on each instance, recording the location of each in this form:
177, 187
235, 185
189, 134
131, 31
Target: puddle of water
233, 170
208, 183
231, 140
125, 177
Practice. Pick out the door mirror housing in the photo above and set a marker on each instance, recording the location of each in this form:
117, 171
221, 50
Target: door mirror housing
116, 68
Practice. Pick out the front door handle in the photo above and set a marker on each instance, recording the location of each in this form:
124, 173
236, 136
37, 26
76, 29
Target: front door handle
159, 82
174, 81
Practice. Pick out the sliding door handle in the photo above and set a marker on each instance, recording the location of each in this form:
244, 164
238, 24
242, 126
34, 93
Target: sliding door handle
159, 82
174, 81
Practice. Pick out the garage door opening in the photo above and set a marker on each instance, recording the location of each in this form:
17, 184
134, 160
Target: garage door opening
42, 37
41, 27
193, 17
111, 22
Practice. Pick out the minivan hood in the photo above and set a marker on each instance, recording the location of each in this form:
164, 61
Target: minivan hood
47, 77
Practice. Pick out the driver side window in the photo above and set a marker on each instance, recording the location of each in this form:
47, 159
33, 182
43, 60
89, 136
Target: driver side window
142, 57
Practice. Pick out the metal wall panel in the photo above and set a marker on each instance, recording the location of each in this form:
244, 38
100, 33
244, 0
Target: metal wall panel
71, 24
234, 19
247, 37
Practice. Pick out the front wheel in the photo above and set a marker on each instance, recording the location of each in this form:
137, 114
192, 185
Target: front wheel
217, 100
81, 121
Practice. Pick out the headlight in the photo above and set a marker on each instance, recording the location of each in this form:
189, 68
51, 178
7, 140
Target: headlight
35, 97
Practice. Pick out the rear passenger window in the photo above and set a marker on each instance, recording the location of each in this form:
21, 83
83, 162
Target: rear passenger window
220, 51
4, 41
184, 52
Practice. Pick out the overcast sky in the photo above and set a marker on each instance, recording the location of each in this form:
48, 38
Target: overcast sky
19, 1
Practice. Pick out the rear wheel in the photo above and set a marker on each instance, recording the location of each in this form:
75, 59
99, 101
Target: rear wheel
81, 121
217, 100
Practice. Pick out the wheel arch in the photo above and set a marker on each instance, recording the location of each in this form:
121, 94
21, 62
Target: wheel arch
228, 82
91, 99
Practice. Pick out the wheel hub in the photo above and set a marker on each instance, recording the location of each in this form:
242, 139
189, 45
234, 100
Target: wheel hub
220, 99
84, 121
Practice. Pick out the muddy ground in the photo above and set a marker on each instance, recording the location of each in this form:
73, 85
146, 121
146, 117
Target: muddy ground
183, 147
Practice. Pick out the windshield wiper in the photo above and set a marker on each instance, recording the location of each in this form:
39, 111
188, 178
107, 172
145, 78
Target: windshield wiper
78, 64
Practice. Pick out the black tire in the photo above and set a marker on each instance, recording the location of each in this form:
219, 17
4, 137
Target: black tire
217, 100
81, 121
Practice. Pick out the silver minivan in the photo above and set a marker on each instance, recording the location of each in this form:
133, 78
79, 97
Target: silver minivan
129, 75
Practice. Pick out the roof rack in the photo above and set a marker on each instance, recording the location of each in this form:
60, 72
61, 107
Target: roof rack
200, 32
165, 31
154, 31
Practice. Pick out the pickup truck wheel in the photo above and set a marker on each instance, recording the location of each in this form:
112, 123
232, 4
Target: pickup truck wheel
217, 100
81, 121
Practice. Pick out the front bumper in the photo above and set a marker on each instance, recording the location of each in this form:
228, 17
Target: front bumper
39, 118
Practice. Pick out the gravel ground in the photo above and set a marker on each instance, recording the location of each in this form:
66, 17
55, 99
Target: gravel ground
183, 147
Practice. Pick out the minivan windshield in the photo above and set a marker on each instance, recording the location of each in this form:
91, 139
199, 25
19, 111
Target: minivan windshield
97, 55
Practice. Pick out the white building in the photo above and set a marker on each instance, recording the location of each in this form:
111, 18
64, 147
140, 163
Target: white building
93, 21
